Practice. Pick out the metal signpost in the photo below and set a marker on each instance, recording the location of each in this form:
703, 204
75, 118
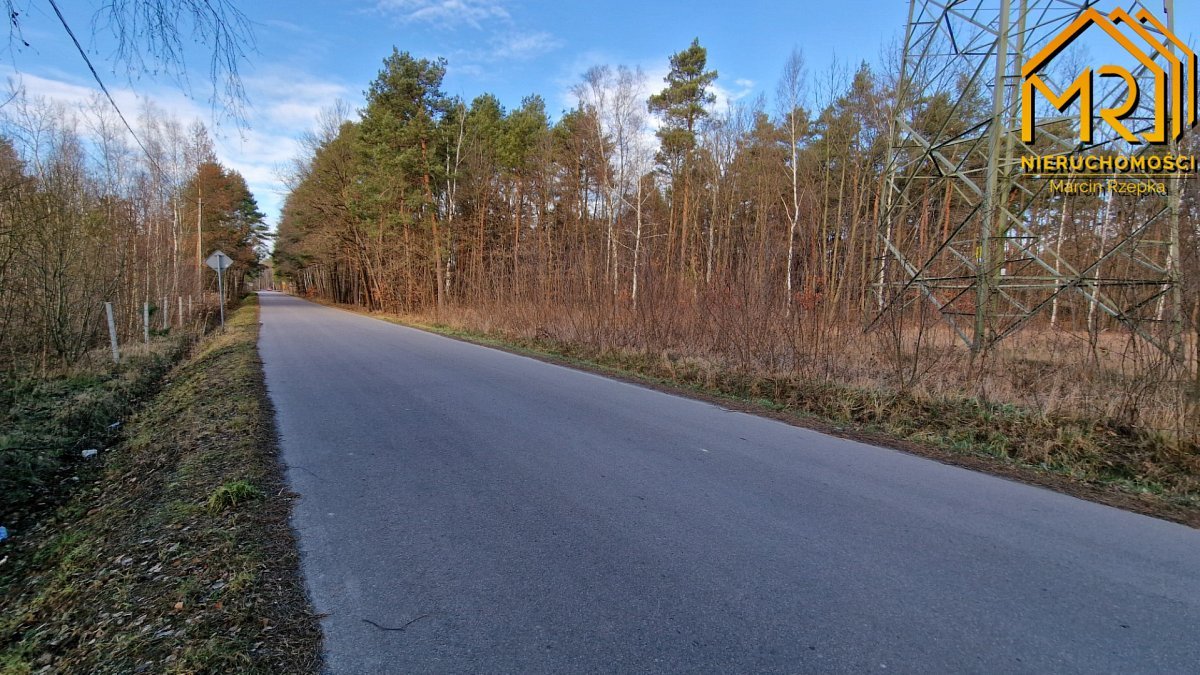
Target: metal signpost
220, 262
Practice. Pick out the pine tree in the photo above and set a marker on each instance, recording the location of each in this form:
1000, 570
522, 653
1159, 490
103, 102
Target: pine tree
682, 105
399, 139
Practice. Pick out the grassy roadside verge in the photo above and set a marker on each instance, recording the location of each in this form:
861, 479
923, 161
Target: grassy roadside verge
179, 557
47, 422
1092, 459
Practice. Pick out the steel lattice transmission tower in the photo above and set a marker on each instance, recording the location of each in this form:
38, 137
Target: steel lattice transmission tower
964, 229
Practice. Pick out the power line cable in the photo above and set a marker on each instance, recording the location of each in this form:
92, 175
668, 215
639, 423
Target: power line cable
96, 76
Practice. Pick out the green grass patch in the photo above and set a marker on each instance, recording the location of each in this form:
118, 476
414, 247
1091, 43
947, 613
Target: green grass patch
232, 494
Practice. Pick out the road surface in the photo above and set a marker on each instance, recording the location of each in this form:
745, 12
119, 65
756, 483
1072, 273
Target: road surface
530, 518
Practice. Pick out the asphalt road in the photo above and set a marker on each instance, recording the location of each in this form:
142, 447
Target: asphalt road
530, 518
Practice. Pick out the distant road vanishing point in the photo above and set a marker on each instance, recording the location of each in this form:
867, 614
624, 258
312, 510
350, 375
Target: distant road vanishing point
463, 509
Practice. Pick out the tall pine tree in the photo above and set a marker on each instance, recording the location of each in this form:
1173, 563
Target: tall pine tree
682, 104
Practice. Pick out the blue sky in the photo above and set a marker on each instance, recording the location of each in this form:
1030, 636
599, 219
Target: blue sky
516, 47
310, 53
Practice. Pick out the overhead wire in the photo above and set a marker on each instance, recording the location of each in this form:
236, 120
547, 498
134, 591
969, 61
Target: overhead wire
103, 88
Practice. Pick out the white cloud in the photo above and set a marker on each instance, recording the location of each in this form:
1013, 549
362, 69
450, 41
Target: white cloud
656, 71
504, 47
283, 105
504, 40
445, 13
466, 70
290, 100
725, 98
523, 46
288, 26
130, 102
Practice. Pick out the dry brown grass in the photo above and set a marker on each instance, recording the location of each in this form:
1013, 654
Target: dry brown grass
1112, 377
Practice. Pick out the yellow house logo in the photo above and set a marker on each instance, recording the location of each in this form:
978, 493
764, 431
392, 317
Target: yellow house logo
1173, 72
